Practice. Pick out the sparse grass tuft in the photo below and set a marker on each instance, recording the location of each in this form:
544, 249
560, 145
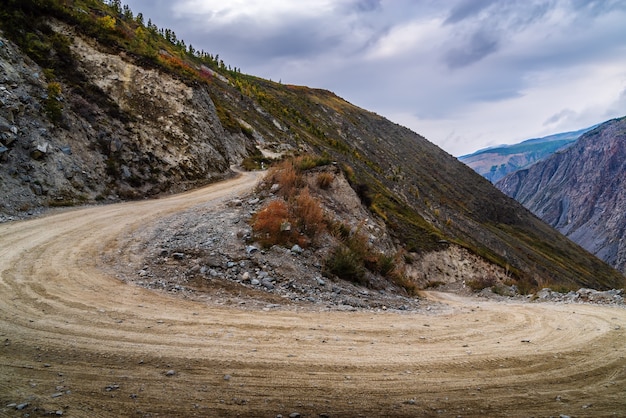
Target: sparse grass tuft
526, 286
407, 284
324, 180
345, 264
307, 162
354, 256
386, 265
481, 283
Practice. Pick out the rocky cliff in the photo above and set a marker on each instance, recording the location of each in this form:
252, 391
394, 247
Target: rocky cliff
97, 106
145, 133
582, 191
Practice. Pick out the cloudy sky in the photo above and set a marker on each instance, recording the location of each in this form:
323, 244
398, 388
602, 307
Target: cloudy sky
466, 74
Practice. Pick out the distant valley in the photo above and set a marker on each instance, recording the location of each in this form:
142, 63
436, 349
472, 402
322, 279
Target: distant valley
496, 162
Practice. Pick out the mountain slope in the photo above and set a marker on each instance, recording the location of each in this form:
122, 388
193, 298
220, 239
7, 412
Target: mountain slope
496, 162
126, 113
582, 191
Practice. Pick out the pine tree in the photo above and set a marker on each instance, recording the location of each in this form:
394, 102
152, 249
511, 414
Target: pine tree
128, 14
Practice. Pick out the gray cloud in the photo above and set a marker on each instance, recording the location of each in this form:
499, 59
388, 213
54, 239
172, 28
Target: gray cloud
592, 8
247, 39
465, 9
367, 5
478, 46
447, 66
560, 117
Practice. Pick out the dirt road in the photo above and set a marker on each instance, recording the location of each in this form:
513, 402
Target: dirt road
78, 342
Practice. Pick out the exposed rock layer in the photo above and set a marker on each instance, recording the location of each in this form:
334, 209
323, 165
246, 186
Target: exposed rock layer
582, 191
150, 133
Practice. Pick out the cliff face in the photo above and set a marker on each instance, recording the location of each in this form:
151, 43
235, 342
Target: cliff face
582, 191
145, 132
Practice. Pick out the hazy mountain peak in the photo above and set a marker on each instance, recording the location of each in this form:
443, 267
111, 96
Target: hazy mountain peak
493, 163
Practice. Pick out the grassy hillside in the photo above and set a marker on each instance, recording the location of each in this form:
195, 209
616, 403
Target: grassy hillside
427, 197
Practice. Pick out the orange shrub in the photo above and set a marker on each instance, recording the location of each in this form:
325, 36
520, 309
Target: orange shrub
287, 177
271, 225
177, 64
297, 209
309, 213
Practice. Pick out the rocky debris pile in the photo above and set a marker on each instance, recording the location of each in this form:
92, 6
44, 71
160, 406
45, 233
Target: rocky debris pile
207, 253
606, 297
501, 292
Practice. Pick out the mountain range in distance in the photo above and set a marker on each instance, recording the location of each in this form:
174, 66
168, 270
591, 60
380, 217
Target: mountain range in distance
496, 162
573, 181
581, 191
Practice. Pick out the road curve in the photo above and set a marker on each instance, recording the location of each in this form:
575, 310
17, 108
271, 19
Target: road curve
76, 341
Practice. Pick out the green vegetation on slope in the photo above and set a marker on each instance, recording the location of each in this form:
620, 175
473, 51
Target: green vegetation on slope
427, 198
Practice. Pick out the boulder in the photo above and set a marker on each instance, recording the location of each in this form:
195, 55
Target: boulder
40, 150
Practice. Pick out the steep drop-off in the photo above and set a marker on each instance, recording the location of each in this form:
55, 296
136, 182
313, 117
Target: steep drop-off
582, 191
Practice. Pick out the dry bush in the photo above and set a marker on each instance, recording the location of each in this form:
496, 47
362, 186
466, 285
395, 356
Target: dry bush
481, 283
406, 283
298, 207
287, 177
288, 174
296, 222
271, 226
324, 180
309, 214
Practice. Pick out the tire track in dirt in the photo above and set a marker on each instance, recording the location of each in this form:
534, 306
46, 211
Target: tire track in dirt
75, 339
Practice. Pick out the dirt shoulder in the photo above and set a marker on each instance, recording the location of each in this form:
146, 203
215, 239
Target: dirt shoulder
78, 341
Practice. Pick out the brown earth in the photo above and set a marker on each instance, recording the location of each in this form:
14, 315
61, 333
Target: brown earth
79, 342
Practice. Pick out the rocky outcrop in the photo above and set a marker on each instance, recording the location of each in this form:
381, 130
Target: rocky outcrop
582, 191
123, 132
